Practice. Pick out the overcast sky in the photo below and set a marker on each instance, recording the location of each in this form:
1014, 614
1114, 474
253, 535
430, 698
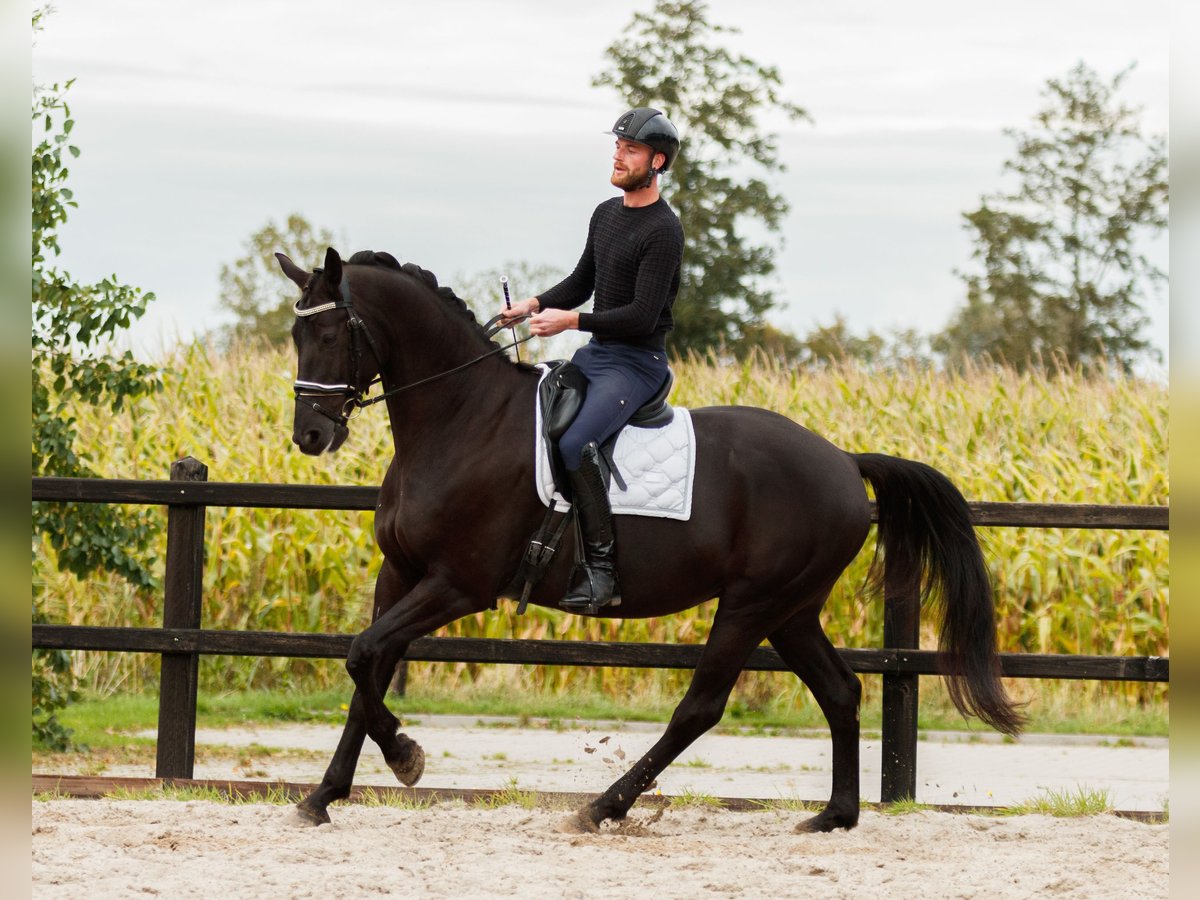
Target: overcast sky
465, 135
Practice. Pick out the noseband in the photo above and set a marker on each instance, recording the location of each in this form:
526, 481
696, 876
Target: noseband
357, 396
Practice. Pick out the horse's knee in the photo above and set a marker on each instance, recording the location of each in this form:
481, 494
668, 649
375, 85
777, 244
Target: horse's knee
359, 660
852, 690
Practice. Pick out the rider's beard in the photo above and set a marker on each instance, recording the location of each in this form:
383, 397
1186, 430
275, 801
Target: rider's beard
633, 179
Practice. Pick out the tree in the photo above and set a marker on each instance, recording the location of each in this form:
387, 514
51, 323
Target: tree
827, 344
830, 344
1064, 275
71, 324
667, 59
251, 287
773, 343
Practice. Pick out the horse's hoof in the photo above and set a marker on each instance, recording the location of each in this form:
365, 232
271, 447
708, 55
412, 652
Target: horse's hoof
827, 821
311, 815
579, 823
409, 770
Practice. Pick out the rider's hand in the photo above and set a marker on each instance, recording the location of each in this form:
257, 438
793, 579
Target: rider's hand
520, 309
553, 321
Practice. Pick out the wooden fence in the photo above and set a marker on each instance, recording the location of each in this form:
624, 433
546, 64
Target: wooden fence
182, 639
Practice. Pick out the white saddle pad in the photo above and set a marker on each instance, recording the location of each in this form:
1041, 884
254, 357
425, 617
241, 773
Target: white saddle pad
657, 464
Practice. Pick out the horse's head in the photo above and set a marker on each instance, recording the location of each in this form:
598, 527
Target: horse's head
336, 362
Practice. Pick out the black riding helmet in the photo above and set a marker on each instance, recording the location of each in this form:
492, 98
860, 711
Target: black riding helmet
650, 127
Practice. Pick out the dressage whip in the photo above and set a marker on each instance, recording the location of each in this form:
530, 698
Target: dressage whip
508, 305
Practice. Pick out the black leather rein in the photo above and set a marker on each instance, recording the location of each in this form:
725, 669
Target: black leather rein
357, 398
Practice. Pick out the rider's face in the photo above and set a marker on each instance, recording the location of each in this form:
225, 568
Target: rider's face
631, 164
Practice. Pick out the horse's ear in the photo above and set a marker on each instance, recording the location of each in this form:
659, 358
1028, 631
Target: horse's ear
292, 271
333, 267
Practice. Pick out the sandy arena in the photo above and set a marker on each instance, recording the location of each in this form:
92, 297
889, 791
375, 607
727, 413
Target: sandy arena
101, 848
108, 848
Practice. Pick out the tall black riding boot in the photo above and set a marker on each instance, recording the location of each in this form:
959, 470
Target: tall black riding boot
594, 584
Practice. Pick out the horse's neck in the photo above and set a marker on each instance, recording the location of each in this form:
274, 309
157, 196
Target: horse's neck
435, 404
423, 344
483, 400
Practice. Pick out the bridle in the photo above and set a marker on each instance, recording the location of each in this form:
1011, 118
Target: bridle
356, 397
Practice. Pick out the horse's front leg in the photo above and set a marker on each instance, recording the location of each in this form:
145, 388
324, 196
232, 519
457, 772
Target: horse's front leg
434, 602
390, 587
339, 776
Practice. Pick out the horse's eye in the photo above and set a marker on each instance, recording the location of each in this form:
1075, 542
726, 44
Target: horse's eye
328, 339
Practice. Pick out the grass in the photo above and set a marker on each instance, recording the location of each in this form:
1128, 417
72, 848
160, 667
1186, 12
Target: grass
789, 804
368, 796
690, 798
1082, 801
110, 722
904, 808
510, 795
273, 796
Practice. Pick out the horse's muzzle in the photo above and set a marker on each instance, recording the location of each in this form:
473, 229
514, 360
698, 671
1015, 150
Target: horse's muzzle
315, 441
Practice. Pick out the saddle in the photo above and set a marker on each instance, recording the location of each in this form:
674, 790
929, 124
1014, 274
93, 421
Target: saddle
561, 395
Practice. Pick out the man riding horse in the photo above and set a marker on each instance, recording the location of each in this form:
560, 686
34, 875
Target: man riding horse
631, 262
777, 514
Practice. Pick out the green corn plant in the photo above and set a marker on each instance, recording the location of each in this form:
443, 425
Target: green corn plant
1000, 435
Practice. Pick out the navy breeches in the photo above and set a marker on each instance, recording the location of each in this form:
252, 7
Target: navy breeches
620, 379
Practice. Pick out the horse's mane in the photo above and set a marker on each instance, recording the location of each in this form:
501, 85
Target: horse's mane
385, 260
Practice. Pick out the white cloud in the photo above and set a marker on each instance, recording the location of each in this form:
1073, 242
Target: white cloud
465, 132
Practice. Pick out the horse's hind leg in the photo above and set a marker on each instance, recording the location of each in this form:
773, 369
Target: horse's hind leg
340, 773
802, 645
733, 638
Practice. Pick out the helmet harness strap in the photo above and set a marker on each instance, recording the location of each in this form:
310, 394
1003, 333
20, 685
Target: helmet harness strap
652, 170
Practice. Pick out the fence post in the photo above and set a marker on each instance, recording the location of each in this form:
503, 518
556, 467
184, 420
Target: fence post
901, 631
182, 604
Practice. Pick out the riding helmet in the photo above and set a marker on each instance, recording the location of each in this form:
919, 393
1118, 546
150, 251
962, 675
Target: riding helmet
649, 126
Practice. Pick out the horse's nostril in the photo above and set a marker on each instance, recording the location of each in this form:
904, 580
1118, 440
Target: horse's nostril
307, 440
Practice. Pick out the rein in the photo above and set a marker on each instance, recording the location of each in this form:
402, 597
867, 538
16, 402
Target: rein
489, 332
359, 399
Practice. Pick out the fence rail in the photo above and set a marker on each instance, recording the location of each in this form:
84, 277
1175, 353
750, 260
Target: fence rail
567, 653
181, 641
318, 496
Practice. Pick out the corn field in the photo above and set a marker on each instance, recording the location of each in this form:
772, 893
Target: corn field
1000, 436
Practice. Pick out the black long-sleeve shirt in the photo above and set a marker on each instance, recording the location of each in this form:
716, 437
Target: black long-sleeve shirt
631, 262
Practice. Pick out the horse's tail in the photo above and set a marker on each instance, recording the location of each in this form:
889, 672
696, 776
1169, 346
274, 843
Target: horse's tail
930, 549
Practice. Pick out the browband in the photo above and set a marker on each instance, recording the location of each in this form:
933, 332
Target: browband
343, 287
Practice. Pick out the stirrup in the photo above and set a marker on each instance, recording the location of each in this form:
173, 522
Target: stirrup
590, 607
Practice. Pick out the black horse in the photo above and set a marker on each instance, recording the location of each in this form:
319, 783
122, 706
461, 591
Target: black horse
778, 513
